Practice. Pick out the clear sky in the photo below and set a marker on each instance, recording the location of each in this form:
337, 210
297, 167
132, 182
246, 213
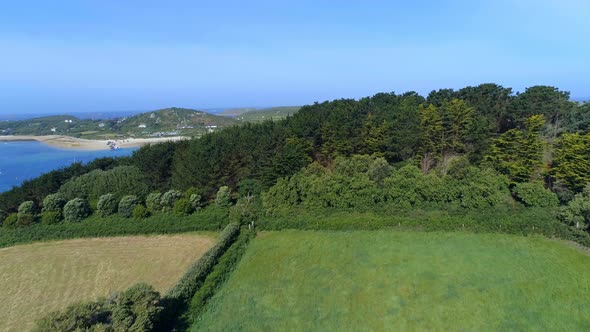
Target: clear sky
101, 55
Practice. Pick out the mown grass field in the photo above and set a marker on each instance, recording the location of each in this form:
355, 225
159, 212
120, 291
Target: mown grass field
388, 280
39, 278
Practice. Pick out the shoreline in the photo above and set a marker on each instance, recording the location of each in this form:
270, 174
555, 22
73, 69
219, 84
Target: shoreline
74, 143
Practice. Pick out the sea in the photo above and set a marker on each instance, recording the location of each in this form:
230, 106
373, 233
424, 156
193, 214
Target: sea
20, 161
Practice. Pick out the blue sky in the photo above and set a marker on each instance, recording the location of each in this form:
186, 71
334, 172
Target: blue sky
102, 55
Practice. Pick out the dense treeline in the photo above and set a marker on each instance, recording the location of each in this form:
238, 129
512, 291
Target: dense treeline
537, 136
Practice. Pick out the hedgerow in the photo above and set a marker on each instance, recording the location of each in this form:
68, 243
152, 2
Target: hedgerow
219, 275
195, 275
177, 299
208, 219
516, 220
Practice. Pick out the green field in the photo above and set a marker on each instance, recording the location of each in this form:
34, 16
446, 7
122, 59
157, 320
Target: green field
387, 280
43, 277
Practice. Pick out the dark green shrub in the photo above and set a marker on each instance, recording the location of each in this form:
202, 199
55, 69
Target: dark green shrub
127, 204
249, 187
480, 188
26, 213
169, 198
193, 191
183, 207
152, 202
54, 202
51, 217
77, 317
76, 210
107, 205
2, 217
11, 220
140, 212
135, 309
534, 194
223, 197
246, 210
196, 202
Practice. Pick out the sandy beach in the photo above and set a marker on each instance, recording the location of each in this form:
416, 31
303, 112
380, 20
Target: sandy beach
67, 142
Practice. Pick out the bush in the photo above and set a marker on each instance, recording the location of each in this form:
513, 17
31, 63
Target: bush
54, 202
77, 317
183, 207
26, 213
577, 212
169, 198
76, 209
135, 309
51, 217
152, 202
107, 205
11, 220
2, 217
246, 210
196, 201
127, 204
193, 191
534, 194
140, 212
223, 197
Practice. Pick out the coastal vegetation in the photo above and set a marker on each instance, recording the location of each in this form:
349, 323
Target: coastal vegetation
391, 172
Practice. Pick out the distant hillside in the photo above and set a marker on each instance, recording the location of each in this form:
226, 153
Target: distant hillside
48, 125
233, 112
165, 122
171, 122
273, 113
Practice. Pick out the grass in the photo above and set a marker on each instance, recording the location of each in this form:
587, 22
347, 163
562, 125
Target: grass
394, 280
43, 277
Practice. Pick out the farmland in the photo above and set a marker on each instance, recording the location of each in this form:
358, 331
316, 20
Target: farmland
43, 277
378, 280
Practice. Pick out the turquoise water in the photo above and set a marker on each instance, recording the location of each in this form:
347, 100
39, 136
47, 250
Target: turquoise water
21, 161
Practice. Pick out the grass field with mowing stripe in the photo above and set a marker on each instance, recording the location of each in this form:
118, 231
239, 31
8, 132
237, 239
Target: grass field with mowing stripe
42, 277
388, 280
